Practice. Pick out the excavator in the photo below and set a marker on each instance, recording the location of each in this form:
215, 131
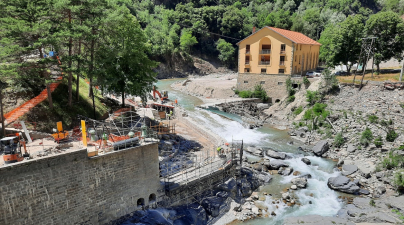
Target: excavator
12, 149
165, 94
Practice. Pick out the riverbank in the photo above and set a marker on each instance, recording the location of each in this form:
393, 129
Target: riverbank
351, 114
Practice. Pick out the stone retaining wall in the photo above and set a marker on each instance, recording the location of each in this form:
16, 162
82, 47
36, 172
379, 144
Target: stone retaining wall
70, 188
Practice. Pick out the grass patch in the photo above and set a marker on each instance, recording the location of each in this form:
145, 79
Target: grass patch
46, 119
368, 76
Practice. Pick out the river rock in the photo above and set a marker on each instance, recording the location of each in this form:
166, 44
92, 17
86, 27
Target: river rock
300, 182
381, 190
212, 205
351, 148
285, 171
306, 161
307, 176
321, 147
276, 155
364, 192
262, 106
349, 169
166, 145
293, 187
254, 151
275, 164
343, 184
286, 195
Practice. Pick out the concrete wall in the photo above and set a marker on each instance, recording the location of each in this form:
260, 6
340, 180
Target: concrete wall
71, 188
297, 56
275, 85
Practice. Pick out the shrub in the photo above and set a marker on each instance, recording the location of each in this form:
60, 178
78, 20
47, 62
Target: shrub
399, 180
313, 97
328, 134
393, 160
291, 99
339, 140
373, 118
260, 93
401, 147
298, 110
245, 94
236, 92
384, 123
372, 203
345, 115
366, 137
378, 142
306, 81
391, 135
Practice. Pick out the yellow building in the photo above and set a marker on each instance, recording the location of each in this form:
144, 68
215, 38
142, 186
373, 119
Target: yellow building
277, 51
268, 56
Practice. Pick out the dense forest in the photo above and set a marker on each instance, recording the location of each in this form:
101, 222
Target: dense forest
117, 44
213, 27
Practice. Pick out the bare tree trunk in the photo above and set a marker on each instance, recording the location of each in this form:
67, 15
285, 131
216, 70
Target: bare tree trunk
90, 70
46, 77
78, 74
123, 99
402, 71
2, 117
70, 65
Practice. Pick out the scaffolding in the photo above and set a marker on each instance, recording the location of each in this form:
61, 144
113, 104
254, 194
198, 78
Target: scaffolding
122, 129
184, 175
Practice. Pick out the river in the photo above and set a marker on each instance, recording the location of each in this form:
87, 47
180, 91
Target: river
324, 201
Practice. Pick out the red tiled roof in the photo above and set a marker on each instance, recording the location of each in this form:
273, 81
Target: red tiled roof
296, 37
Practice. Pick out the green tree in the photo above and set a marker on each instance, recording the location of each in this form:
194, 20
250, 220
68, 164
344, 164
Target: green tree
342, 43
122, 61
279, 19
388, 27
187, 41
25, 30
226, 51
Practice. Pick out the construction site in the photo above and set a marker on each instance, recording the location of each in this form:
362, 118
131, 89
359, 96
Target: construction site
176, 170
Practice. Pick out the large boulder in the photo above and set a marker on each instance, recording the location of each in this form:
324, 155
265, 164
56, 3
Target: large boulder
300, 182
276, 155
349, 169
306, 161
343, 184
321, 147
316, 220
212, 205
285, 171
254, 151
262, 106
351, 148
275, 164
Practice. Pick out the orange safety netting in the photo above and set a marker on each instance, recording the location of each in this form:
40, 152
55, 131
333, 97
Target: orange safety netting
28, 105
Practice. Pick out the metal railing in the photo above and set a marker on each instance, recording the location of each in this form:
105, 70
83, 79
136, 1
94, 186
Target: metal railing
265, 51
247, 63
247, 51
265, 62
282, 63
283, 52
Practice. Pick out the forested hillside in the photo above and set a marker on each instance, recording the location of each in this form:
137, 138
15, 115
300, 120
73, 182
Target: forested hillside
211, 28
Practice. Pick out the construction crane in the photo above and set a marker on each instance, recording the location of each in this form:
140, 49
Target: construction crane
165, 94
12, 149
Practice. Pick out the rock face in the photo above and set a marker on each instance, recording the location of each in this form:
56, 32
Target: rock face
254, 151
212, 205
275, 164
262, 106
343, 184
321, 147
285, 171
349, 169
276, 155
300, 182
306, 161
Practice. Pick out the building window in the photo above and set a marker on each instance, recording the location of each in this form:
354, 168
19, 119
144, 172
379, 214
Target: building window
281, 71
247, 49
295, 57
299, 59
263, 70
280, 83
246, 81
295, 69
262, 82
282, 61
300, 47
247, 60
246, 70
266, 49
283, 48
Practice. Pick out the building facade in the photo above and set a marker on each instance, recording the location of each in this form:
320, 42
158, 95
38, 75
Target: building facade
270, 55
